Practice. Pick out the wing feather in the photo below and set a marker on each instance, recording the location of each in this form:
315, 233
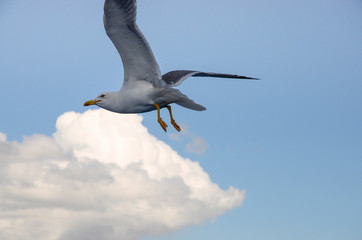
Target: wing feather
175, 78
138, 60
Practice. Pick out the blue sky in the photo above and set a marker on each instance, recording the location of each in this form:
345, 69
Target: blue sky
293, 141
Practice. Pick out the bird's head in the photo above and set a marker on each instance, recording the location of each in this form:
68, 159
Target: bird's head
104, 100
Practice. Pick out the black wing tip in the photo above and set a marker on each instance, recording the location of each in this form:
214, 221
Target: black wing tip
222, 75
251, 78
244, 77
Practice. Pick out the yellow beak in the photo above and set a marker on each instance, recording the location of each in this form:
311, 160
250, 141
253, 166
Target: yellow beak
91, 102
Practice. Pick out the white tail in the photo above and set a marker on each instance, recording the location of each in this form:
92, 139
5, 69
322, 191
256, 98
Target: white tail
188, 103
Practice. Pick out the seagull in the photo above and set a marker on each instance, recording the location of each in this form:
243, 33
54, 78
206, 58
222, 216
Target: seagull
144, 89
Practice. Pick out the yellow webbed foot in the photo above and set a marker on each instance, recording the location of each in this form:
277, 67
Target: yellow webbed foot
159, 119
177, 127
174, 124
163, 124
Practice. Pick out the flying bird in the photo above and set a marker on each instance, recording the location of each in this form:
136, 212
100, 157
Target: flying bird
144, 89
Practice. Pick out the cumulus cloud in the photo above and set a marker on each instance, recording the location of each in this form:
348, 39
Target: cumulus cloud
102, 176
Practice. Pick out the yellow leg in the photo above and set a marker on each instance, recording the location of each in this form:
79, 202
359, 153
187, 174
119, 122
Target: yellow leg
159, 119
173, 120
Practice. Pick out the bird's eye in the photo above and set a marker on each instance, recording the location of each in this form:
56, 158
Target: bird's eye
102, 96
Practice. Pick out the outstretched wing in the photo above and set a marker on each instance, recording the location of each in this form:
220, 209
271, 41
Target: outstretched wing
175, 78
138, 60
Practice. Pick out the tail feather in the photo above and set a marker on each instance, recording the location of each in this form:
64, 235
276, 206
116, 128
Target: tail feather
190, 104
181, 99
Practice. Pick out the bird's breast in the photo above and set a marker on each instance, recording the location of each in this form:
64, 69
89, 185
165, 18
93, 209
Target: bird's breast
139, 100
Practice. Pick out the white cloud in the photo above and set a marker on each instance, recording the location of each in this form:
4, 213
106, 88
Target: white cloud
102, 176
198, 145
195, 144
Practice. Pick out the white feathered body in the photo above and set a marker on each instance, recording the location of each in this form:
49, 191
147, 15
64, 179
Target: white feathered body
140, 97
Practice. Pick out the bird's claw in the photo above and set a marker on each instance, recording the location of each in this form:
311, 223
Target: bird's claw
163, 124
177, 127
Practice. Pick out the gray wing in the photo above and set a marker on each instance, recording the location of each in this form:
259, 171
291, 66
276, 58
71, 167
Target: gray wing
175, 78
138, 60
